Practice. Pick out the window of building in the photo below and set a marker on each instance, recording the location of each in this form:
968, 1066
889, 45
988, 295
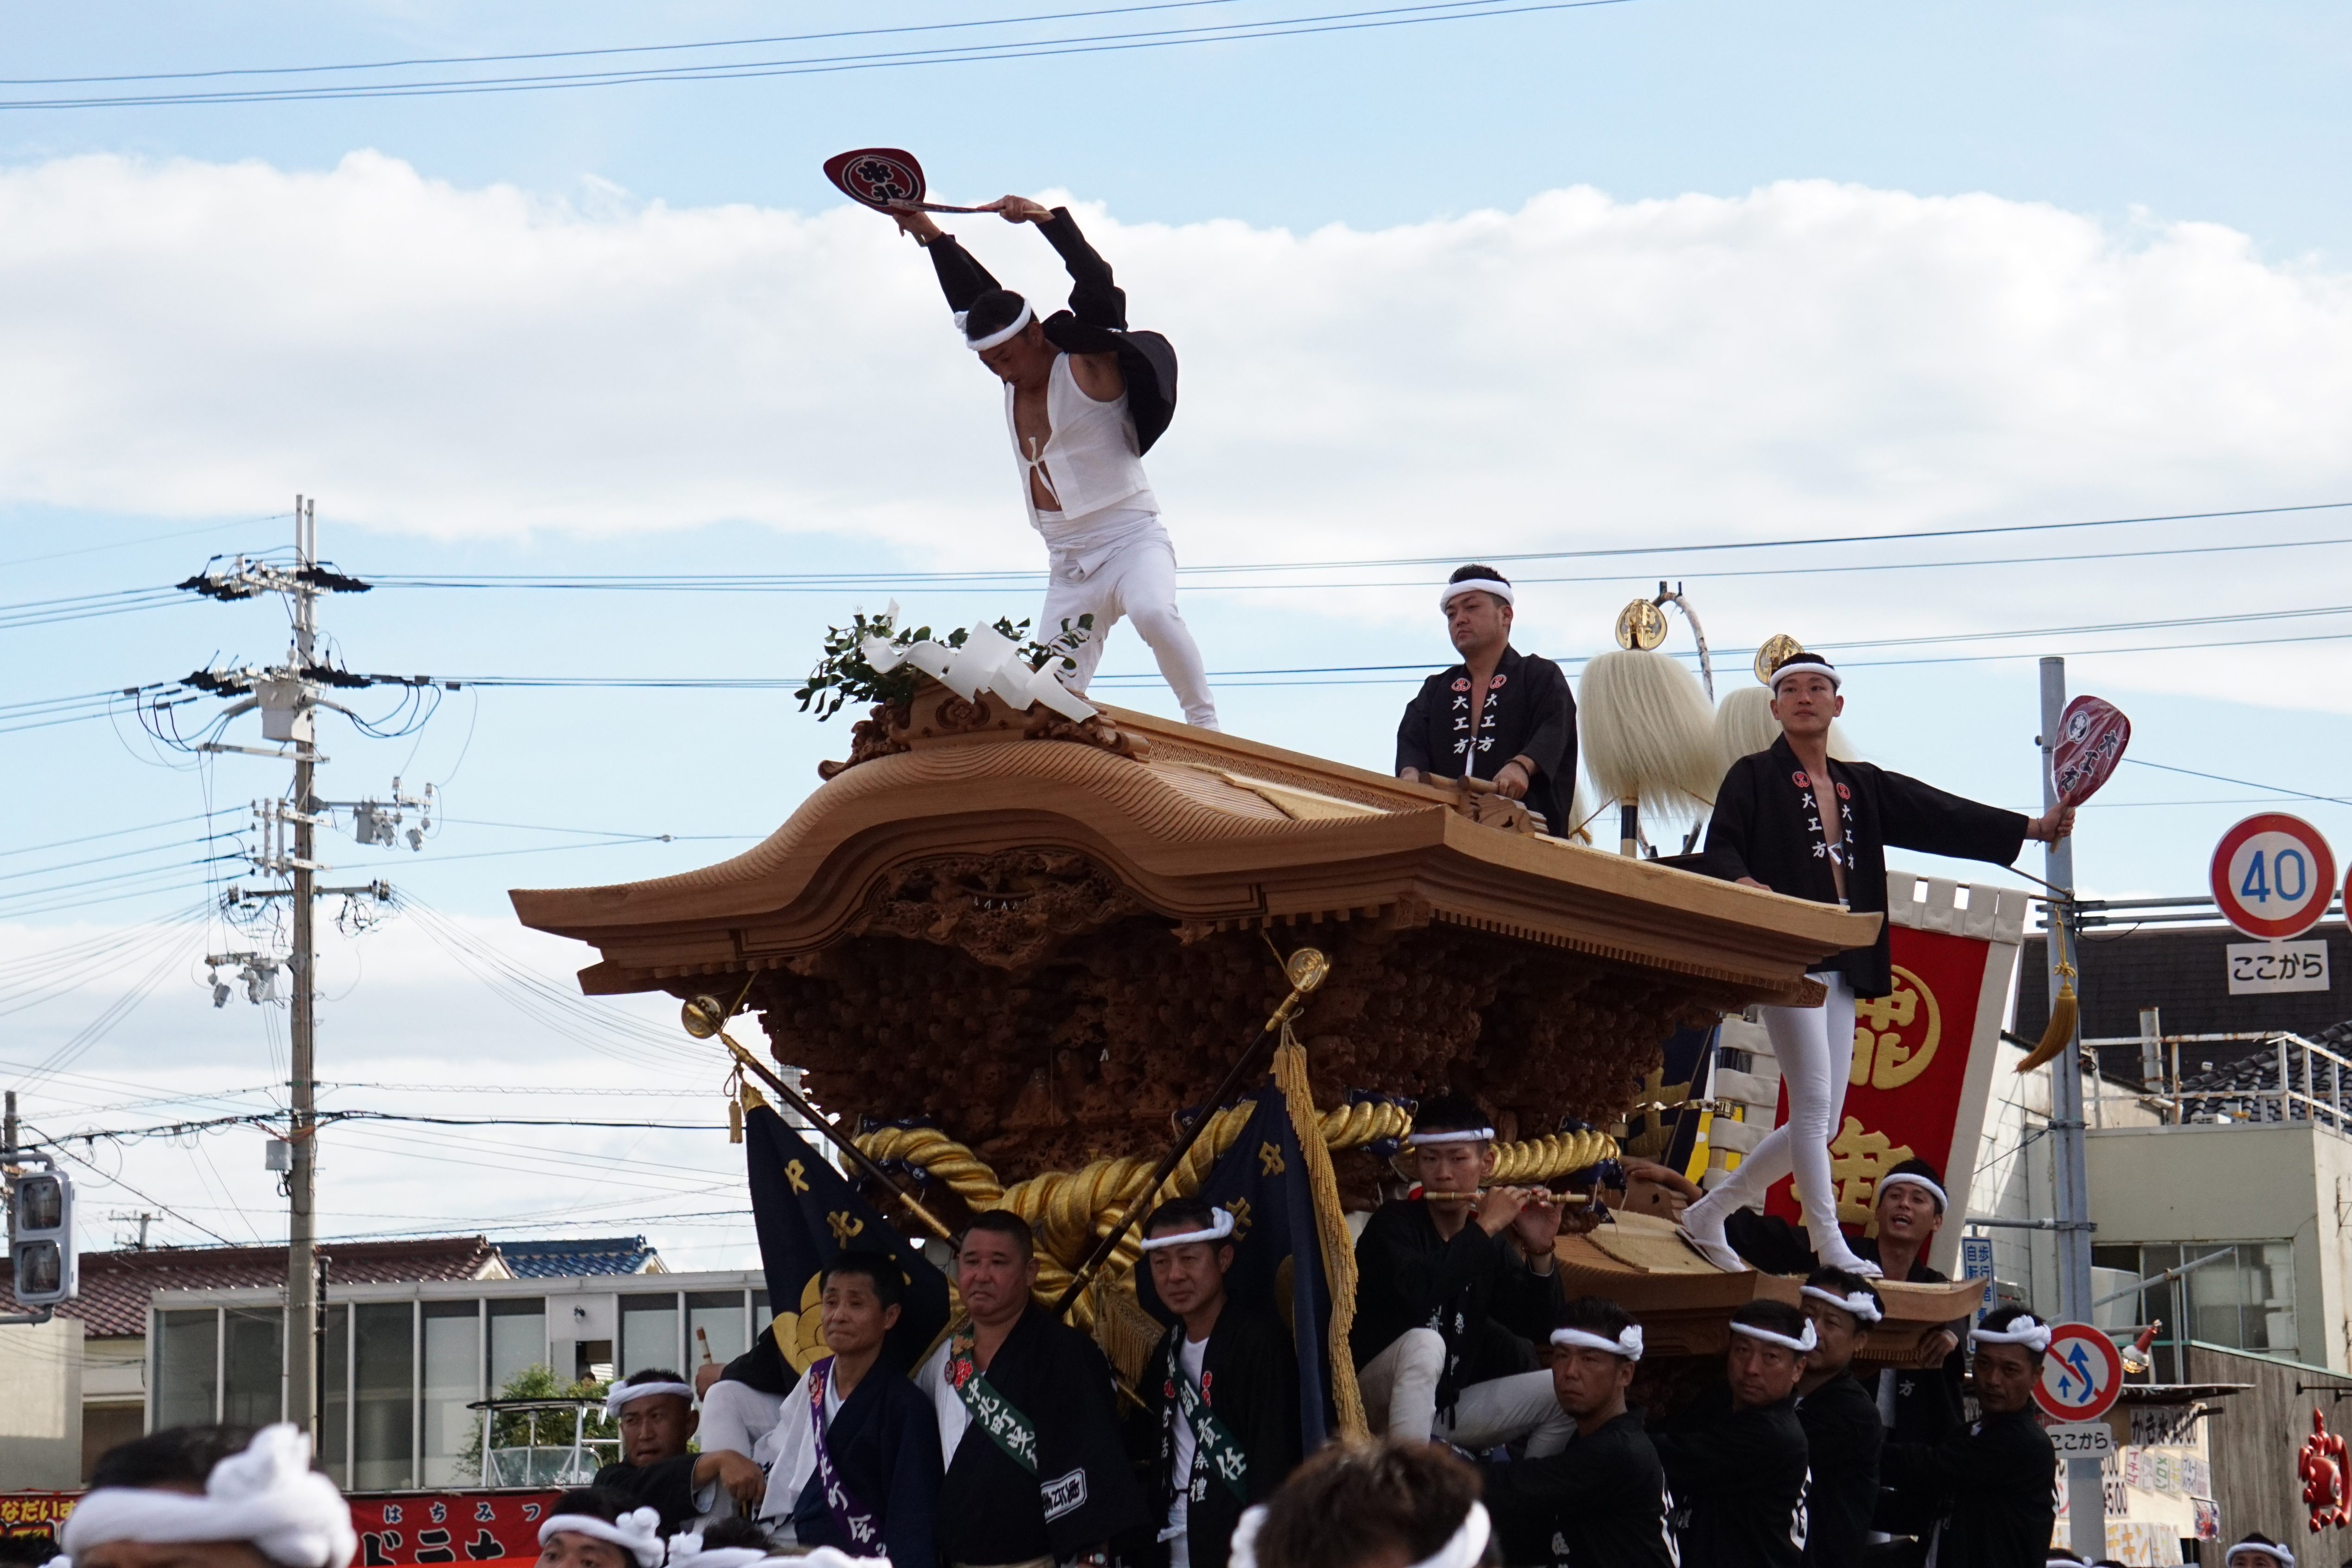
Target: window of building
335, 1399
253, 1355
452, 1379
714, 1326
383, 1404
187, 1367
2243, 1299
649, 1333
518, 1337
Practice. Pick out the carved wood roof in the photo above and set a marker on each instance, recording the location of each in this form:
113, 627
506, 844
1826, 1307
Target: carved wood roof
1204, 831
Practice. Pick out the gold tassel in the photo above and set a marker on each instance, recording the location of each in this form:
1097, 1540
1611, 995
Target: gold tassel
1331, 1227
734, 1122
2063, 1011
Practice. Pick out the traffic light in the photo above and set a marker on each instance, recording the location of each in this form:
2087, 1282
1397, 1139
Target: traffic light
41, 1239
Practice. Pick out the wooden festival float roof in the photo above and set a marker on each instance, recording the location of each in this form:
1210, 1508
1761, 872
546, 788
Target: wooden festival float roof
1045, 937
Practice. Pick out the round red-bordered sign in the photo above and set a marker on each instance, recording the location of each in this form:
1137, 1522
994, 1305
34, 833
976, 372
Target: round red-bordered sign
2082, 1374
2274, 876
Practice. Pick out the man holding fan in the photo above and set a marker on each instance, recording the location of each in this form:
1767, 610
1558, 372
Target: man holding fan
1791, 820
1085, 398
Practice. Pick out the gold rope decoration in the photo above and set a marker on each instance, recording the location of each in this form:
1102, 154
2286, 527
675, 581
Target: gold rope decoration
1332, 1231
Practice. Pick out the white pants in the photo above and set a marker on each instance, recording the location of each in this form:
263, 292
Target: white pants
1815, 1046
1138, 581
737, 1416
1400, 1389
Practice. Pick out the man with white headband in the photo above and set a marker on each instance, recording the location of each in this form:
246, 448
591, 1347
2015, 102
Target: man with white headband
1453, 1288
1382, 1504
1220, 1422
1736, 1454
1843, 1437
2257, 1550
595, 1527
1917, 1402
263, 1507
655, 1410
1037, 1472
853, 1461
1990, 1481
1499, 715
1792, 820
1602, 1501
1085, 398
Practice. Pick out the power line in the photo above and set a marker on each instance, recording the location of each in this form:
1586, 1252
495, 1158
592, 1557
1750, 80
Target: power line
622, 49
816, 65
710, 581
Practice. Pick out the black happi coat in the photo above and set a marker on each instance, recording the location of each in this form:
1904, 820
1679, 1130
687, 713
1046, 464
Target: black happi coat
1095, 322
763, 1367
1843, 1438
1249, 1376
665, 1486
990, 1509
1994, 1482
1766, 827
1476, 1290
1600, 1502
885, 1445
1740, 1478
1529, 711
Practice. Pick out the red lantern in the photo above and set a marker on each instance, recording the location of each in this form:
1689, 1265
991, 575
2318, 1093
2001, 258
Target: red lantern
2323, 1467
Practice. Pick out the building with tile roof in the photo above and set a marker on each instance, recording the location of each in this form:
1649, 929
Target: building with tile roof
566, 1258
119, 1292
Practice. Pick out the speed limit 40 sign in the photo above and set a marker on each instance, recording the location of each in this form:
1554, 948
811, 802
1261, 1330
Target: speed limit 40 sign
2274, 876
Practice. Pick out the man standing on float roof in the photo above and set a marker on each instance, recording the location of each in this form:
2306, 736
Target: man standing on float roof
1793, 821
1499, 715
1085, 398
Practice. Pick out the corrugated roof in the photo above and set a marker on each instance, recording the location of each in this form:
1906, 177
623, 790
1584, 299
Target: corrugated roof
115, 1286
569, 1257
2186, 972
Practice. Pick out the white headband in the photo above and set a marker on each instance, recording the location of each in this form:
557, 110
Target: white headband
1431, 1140
1801, 1346
1914, 1179
686, 1549
1001, 335
636, 1533
628, 1392
2278, 1554
267, 1495
1453, 591
2023, 1330
1628, 1342
1466, 1545
1805, 667
1463, 1549
1860, 1303
1219, 1228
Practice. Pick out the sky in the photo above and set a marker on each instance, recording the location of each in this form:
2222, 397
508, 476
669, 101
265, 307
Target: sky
1611, 293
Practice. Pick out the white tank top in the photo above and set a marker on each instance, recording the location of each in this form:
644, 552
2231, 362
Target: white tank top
1089, 458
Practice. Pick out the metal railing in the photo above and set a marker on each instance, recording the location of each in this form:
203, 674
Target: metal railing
2292, 1079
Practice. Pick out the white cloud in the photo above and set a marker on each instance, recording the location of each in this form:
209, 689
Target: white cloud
189, 338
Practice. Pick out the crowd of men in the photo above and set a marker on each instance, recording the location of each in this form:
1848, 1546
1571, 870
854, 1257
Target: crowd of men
1502, 1408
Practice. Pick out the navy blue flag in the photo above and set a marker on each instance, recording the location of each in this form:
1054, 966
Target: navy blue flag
1277, 1259
807, 1213
1669, 1134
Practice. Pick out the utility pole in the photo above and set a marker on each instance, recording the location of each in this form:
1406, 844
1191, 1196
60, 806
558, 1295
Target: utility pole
301, 1181
288, 696
2086, 1508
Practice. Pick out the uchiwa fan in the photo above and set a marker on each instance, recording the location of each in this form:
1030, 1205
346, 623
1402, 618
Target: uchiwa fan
1647, 727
